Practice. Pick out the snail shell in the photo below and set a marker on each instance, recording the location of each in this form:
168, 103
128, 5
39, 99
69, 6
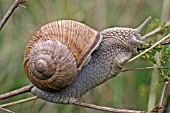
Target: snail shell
57, 51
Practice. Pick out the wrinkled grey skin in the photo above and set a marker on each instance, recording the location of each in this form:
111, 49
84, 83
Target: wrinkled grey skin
106, 62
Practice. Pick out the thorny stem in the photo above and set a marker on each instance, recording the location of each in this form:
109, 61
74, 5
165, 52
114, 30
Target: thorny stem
10, 11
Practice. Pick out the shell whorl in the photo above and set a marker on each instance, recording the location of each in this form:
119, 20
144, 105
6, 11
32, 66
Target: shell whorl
56, 51
48, 68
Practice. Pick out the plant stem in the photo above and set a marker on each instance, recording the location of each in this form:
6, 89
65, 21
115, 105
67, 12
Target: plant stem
163, 92
10, 11
167, 102
17, 102
101, 108
16, 92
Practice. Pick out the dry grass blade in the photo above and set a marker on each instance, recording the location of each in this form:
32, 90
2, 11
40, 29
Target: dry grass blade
142, 68
7, 110
17, 102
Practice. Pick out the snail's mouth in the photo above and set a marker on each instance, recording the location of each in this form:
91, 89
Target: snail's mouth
136, 42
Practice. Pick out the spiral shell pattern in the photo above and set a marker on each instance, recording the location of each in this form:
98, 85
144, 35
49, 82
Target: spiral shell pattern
56, 51
48, 68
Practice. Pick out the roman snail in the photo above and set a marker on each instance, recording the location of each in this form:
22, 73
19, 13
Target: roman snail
65, 59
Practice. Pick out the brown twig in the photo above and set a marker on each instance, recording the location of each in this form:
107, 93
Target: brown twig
163, 92
155, 31
167, 103
151, 33
10, 11
101, 108
28, 88
16, 92
160, 105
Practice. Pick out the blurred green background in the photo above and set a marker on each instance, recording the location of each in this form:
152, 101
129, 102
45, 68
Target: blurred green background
131, 90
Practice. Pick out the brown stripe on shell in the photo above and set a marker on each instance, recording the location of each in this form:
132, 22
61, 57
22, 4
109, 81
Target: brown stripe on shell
77, 36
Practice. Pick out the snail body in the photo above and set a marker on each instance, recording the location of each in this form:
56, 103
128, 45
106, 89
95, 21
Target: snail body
65, 59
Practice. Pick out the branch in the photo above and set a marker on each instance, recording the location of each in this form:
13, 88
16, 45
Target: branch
151, 33
10, 11
101, 108
160, 105
167, 103
163, 92
157, 43
16, 92
28, 88
157, 30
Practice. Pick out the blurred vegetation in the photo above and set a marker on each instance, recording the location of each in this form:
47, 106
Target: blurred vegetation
127, 90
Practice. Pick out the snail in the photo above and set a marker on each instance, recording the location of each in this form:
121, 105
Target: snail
65, 59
